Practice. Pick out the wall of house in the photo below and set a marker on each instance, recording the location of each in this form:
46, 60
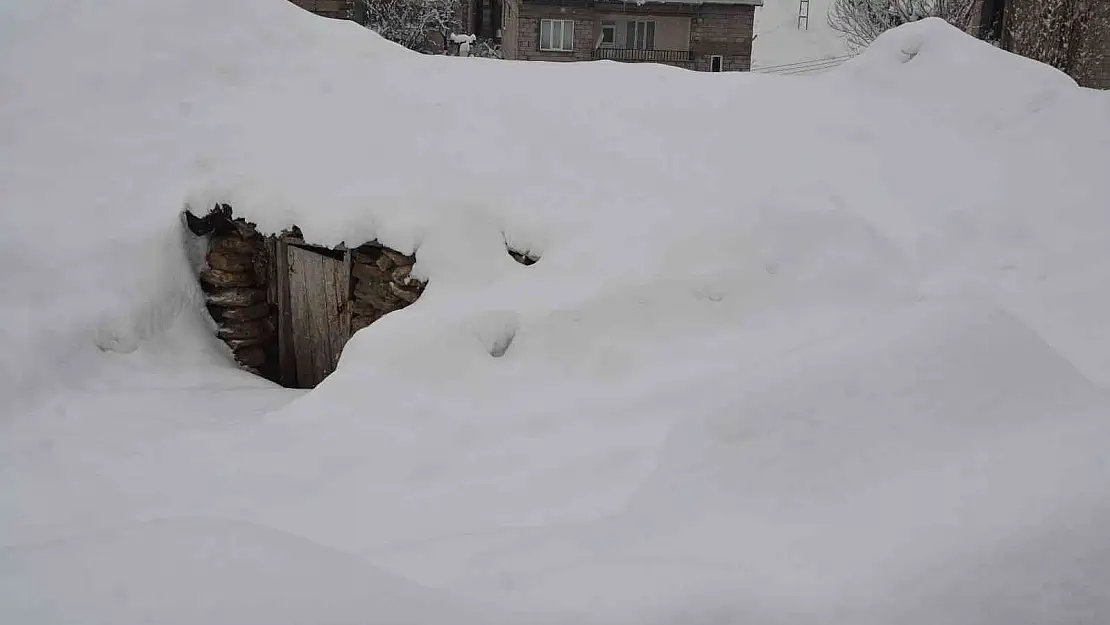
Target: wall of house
586, 33
342, 9
510, 29
671, 33
464, 15
706, 30
725, 30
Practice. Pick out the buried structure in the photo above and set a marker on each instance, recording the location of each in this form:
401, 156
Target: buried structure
286, 308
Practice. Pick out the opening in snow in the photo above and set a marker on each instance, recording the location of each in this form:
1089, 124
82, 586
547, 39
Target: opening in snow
501, 345
524, 258
286, 307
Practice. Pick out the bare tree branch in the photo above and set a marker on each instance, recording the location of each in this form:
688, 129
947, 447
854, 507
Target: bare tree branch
864, 20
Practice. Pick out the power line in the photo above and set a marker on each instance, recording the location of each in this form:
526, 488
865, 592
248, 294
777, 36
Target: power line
798, 64
810, 69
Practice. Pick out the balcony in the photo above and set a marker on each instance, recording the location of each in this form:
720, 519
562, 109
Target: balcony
671, 57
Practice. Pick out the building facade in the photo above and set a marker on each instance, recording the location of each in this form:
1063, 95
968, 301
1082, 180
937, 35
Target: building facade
340, 9
710, 35
703, 35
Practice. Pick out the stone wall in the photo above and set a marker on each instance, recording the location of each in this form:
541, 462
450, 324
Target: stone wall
527, 40
248, 298
724, 30
382, 282
237, 287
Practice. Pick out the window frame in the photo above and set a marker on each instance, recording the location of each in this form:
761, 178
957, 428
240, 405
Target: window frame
610, 25
563, 25
632, 32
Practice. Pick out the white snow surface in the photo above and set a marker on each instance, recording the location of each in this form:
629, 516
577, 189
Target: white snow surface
782, 46
779, 362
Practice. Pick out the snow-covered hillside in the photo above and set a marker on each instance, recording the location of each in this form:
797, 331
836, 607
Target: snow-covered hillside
781, 46
778, 363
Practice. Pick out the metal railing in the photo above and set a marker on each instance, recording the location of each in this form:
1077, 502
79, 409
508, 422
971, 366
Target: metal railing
645, 56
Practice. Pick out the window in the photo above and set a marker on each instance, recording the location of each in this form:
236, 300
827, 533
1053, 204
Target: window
557, 35
715, 63
608, 34
640, 35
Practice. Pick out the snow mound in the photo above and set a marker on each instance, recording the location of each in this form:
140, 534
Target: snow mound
797, 350
192, 571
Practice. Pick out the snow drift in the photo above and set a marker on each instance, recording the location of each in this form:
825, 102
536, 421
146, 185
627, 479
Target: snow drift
797, 350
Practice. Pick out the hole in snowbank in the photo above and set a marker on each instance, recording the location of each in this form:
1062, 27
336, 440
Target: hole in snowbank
286, 307
502, 344
524, 258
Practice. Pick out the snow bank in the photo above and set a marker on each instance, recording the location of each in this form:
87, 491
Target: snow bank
797, 349
191, 571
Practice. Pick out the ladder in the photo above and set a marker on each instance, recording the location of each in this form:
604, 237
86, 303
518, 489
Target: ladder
803, 14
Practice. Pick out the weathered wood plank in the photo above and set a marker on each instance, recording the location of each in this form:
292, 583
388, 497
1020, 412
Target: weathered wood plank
287, 364
319, 296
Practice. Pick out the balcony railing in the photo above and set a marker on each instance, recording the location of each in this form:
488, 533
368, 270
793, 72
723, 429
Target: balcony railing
644, 56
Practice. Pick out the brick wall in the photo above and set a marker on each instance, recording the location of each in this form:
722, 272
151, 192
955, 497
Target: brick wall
723, 30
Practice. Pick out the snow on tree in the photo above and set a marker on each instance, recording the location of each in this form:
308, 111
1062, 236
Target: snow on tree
864, 20
421, 25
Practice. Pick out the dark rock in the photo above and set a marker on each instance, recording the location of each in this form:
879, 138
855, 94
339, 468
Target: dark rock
231, 261
241, 344
358, 323
251, 356
407, 296
376, 296
369, 273
401, 275
397, 257
246, 329
367, 254
234, 244
363, 308
237, 297
220, 278
235, 315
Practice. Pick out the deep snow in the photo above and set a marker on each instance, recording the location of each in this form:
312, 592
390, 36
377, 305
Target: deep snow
819, 349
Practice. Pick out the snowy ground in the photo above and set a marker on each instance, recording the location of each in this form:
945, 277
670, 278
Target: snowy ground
781, 46
778, 363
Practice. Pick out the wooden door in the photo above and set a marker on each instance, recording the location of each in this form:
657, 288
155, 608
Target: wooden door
319, 310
